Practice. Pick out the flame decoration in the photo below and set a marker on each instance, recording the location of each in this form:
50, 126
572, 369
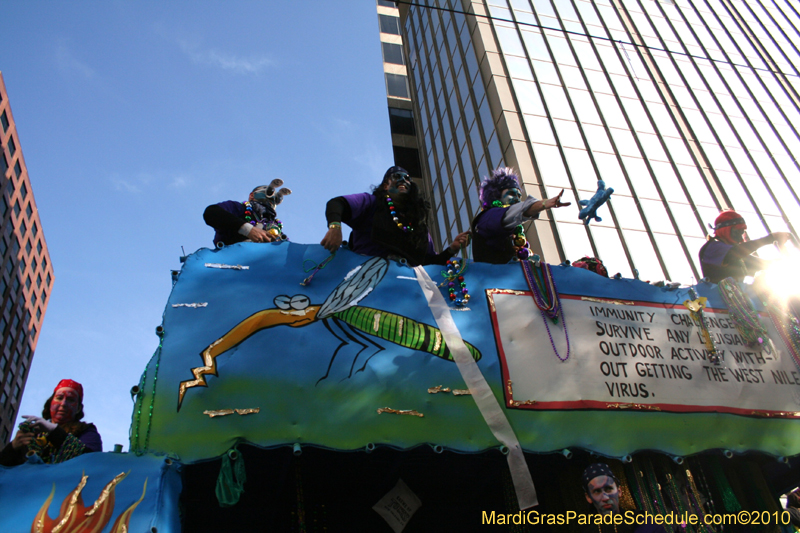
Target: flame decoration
75, 517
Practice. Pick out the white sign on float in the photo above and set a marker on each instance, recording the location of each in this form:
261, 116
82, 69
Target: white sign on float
637, 355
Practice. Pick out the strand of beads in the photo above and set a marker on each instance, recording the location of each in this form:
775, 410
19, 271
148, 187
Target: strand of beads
643, 500
521, 245
788, 328
543, 288
273, 227
248, 213
625, 495
545, 296
706, 489
393, 212
316, 268
522, 249
741, 311
454, 279
694, 501
695, 307
548, 298
654, 486
729, 501
675, 501
786, 323
550, 335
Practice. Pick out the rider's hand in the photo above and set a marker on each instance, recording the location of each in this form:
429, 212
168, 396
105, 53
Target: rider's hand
333, 239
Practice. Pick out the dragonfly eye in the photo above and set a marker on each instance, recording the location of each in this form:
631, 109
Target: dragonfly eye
283, 302
300, 301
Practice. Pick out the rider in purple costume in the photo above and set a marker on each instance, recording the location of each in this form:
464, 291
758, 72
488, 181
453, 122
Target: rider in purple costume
254, 220
391, 222
497, 235
728, 252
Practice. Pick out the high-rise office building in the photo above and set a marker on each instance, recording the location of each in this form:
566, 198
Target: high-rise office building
683, 107
26, 275
401, 114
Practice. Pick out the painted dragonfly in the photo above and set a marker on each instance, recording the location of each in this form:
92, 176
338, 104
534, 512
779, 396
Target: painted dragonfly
355, 324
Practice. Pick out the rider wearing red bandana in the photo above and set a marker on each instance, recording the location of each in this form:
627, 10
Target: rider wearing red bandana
728, 252
58, 435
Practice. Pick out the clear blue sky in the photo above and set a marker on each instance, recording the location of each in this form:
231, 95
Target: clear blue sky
134, 116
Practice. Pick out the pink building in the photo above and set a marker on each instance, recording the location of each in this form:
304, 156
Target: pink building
26, 273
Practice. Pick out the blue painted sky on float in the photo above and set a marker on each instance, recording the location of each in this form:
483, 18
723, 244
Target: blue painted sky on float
134, 116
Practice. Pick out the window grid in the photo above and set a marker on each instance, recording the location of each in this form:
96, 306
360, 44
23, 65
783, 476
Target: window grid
697, 119
733, 132
603, 58
720, 133
767, 127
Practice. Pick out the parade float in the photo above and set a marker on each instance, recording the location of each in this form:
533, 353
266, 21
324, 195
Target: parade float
295, 391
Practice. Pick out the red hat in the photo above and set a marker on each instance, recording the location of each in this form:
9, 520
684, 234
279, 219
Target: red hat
592, 264
72, 385
726, 221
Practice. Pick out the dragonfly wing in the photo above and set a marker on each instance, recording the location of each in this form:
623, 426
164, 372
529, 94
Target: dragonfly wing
354, 287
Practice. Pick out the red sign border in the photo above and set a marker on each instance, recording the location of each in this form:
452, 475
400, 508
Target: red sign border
583, 405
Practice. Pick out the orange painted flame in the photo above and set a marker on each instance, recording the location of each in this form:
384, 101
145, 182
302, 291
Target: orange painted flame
75, 517
122, 523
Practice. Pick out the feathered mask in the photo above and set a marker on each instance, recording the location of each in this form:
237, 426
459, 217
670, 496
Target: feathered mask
268, 195
492, 187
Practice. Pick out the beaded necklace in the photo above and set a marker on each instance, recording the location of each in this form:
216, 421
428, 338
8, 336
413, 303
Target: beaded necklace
741, 311
273, 227
393, 212
625, 498
695, 307
545, 296
786, 323
522, 249
675, 499
316, 268
695, 500
649, 504
762, 492
47, 451
706, 487
709, 494
634, 488
137, 449
655, 487
789, 331
454, 279
729, 501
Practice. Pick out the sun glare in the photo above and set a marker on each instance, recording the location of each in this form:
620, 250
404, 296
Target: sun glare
781, 277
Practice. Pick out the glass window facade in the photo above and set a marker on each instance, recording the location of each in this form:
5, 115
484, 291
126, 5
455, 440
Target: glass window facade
684, 108
452, 113
396, 85
393, 53
389, 24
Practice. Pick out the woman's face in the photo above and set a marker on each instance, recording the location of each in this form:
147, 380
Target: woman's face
65, 405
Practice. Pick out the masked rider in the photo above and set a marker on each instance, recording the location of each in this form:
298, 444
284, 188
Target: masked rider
498, 235
391, 222
254, 220
728, 252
